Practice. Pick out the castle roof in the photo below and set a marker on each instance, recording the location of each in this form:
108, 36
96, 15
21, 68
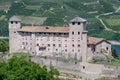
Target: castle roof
45, 29
78, 19
15, 18
94, 40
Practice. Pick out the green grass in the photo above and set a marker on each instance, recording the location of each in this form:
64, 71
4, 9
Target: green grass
33, 7
115, 63
112, 22
35, 20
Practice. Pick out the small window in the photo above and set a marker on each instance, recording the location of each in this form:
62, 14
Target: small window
47, 27
59, 33
56, 49
11, 22
106, 48
73, 23
78, 23
26, 43
54, 34
83, 67
72, 33
37, 44
72, 45
16, 22
48, 45
54, 45
78, 45
59, 45
78, 33
65, 50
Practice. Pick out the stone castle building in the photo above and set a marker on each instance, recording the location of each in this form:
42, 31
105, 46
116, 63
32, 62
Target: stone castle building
71, 41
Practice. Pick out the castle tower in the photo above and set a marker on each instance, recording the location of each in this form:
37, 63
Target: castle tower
78, 33
14, 26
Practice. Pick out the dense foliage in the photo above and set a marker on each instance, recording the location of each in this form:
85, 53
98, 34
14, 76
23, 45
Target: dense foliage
3, 46
58, 13
19, 68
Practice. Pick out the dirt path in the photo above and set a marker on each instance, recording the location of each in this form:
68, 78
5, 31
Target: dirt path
101, 21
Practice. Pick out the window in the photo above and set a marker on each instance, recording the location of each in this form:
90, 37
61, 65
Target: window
11, 22
65, 50
72, 45
59, 45
56, 49
48, 45
26, 43
16, 22
47, 27
54, 45
44, 33
37, 44
78, 23
106, 48
78, 45
78, 33
72, 33
54, 34
83, 67
73, 23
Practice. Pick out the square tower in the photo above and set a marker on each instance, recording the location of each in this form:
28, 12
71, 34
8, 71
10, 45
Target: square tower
14, 26
78, 32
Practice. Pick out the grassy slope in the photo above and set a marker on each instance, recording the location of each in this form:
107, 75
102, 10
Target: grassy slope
59, 12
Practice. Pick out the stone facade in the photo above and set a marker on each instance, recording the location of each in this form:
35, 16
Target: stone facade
70, 42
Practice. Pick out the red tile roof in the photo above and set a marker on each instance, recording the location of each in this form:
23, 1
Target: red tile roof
45, 29
94, 40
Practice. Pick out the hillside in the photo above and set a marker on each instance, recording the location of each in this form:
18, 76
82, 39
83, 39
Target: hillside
59, 12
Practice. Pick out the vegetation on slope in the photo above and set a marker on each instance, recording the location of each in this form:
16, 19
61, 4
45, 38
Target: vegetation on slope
3, 46
58, 13
19, 68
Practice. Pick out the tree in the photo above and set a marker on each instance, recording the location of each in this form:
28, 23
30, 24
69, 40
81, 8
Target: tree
20, 68
115, 54
3, 46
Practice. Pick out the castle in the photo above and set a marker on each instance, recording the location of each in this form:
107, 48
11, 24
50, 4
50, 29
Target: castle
71, 41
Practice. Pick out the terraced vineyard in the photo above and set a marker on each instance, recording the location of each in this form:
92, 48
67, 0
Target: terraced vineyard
59, 12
